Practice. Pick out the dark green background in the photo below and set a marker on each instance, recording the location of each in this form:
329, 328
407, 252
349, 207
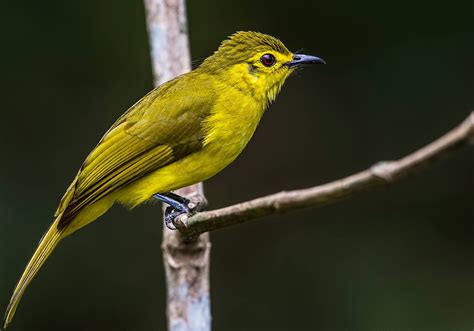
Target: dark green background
399, 74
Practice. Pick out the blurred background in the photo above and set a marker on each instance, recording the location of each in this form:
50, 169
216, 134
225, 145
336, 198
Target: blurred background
399, 74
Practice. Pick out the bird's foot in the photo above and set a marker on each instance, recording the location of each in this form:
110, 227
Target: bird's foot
172, 215
180, 208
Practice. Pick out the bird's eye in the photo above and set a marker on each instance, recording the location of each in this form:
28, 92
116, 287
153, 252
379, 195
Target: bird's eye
268, 60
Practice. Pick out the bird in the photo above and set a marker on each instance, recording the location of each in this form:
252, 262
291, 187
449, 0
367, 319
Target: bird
181, 133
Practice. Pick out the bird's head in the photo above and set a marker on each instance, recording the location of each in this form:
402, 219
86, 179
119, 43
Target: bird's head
256, 63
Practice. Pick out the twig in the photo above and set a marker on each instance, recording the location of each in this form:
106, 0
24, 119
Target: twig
379, 175
186, 262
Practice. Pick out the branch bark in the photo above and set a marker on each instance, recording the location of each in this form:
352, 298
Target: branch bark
379, 175
186, 262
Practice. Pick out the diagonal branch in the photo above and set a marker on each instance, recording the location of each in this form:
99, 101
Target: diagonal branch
379, 175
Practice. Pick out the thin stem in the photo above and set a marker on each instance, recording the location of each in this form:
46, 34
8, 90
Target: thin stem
186, 262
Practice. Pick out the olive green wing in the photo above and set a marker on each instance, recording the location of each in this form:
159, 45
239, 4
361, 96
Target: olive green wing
163, 127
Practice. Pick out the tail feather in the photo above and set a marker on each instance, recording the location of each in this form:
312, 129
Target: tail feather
46, 245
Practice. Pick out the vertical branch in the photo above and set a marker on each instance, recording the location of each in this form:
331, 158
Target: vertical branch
167, 31
186, 262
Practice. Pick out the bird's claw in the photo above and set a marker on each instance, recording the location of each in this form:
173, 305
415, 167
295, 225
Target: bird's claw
171, 215
180, 208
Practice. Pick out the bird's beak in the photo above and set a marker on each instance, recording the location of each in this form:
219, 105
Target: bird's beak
300, 59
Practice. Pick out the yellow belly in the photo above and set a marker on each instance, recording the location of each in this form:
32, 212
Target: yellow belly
194, 168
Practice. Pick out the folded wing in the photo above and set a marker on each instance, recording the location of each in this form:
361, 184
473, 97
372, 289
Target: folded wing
163, 127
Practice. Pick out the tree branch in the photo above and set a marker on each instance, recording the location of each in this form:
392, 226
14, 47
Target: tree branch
379, 175
186, 262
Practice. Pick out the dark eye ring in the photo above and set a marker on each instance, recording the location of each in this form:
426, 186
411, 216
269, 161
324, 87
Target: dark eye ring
268, 60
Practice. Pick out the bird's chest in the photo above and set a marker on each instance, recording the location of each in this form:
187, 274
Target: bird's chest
231, 125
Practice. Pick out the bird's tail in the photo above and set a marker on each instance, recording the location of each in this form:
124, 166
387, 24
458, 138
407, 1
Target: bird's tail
46, 245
